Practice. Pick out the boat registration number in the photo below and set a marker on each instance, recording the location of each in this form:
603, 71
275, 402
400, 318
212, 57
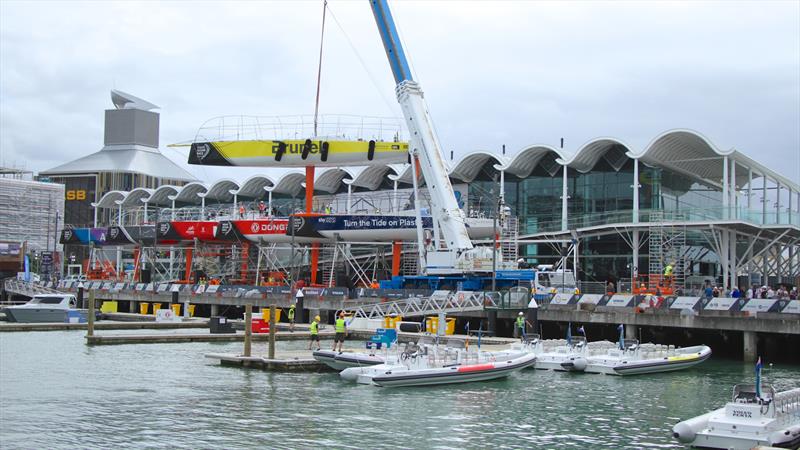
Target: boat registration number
738, 413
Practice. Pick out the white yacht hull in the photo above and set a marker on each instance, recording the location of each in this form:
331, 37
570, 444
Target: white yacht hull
403, 377
37, 315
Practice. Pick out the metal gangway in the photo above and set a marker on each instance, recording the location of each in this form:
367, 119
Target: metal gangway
446, 302
26, 288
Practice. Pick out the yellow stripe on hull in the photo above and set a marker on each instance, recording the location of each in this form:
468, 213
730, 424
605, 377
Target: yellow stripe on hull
297, 153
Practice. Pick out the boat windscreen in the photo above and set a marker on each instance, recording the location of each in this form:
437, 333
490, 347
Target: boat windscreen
48, 300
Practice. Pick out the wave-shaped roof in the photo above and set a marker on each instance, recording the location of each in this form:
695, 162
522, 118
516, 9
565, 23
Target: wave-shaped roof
680, 150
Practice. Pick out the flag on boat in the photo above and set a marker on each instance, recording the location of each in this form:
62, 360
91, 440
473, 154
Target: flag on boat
758, 377
569, 333
621, 329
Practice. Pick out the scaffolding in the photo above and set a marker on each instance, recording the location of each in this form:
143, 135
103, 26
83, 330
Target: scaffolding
32, 212
667, 245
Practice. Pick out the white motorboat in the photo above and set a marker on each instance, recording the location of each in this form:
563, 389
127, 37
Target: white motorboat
629, 359
571, 357
46, 308
402, 375
343, 360
754, 417
428, 364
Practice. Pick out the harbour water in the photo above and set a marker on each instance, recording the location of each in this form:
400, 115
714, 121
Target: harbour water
55, 392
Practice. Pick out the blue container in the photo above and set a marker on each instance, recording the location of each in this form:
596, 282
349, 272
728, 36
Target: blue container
74, 316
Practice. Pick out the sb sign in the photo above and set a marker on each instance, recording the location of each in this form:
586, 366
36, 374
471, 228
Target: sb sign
76, 194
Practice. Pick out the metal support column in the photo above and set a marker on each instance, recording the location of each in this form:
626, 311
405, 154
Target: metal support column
725, 194
636, 187
564, 205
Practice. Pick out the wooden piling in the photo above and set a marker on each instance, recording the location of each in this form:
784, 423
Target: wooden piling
90, 315
248, 329
272, 329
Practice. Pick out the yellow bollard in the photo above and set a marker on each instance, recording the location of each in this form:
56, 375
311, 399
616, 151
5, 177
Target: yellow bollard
176, 309
191, 310
156, 307
143, 307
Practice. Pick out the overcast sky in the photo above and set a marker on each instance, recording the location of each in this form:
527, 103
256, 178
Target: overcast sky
494, 73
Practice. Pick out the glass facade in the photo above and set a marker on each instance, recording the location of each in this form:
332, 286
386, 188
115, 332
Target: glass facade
604, 195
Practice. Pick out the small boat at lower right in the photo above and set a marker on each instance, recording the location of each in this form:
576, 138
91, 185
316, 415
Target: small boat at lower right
749, 420
756, 416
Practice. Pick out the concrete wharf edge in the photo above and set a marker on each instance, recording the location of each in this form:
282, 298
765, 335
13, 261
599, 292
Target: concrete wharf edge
14, 326
263, 337
277, 364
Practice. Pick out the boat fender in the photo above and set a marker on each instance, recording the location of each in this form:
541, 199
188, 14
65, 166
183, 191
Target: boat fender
787, 435
306, 149
281, 150
579, 364
371, 150
686, 431
323, 153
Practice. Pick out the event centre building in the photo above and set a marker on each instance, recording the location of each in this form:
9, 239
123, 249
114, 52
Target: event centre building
617, 211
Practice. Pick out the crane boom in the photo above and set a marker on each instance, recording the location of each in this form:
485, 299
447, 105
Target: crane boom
424, 142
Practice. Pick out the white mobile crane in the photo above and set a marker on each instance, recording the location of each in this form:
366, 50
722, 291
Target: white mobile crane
460, 256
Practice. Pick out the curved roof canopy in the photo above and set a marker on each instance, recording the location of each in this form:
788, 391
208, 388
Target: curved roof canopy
331, 180
221, 190
254, 187
162, 193
135, 197
613, 150
110, 198
188, 193
468, 167
290, 183
372, 177
524, 162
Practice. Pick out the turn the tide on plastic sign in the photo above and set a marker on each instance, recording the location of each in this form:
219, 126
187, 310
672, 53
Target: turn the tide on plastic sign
384, 335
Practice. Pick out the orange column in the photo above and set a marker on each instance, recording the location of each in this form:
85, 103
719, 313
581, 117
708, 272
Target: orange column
136, 266
309, 188
396, 254
314, 262
310, 209
188, 275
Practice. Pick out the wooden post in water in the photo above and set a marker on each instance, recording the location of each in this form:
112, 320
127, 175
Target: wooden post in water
248, 328
272, 331
90, 315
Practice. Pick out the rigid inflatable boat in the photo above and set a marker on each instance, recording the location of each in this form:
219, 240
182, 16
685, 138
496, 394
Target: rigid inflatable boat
754, 417
629, 359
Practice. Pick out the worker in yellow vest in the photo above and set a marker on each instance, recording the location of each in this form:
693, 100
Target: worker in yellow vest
314, 332
668, 272
519, 326
291, 318
341, 331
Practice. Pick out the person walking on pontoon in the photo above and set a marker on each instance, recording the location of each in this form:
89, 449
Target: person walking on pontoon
291, 318
314, 333
341, 331
519, 326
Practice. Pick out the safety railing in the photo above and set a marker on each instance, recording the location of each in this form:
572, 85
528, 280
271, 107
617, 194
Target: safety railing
422, 306
27, 289
552, 222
